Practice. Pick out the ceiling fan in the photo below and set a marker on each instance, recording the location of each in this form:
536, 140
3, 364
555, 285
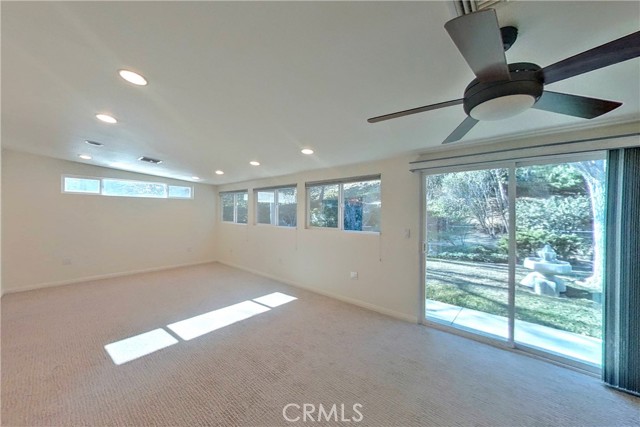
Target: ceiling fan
502, 90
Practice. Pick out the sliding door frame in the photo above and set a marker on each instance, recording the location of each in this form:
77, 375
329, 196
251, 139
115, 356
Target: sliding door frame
458, 330
509, 342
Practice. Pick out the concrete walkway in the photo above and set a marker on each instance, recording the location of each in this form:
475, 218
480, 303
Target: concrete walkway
578, 347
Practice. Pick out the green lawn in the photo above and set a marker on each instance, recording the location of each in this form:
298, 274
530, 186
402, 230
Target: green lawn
483, 287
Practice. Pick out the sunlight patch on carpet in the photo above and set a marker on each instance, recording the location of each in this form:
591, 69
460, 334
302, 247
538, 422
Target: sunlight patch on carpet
139, 345
216, 319
275, 299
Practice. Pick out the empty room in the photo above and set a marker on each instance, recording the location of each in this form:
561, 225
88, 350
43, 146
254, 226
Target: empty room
320, 213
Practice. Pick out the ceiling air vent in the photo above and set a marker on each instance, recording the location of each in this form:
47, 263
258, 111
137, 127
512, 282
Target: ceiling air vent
150, 160
464, 7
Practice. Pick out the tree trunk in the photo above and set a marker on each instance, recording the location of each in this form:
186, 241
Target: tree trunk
502, 199
593, 173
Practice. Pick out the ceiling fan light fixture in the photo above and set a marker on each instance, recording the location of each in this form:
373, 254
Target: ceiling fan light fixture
503, 99
502, 107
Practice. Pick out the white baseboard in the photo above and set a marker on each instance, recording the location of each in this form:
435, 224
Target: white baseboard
359, 303
99, 277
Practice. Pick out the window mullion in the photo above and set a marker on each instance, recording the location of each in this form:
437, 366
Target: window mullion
340, 207
511, 278
307, 208
274, 220
235, 208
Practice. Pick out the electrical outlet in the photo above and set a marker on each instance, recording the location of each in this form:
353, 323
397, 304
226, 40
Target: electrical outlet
354, 275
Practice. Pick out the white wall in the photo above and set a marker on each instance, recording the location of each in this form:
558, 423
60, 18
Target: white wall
100, 235
322, 259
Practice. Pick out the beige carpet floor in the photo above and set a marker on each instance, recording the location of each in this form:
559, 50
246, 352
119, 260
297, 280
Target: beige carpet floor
314, 350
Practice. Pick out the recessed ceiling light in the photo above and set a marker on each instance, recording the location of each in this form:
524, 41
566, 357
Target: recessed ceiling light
132, 77
85, 157
306, 151
254, 163
94, 143
106, 118
219, 172
195, 178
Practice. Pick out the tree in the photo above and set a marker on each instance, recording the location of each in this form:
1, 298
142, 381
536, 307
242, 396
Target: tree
447, 217
481, 195
594, 174
323, 204
501, 178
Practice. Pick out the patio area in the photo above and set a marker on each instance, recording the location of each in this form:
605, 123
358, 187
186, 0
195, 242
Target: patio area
567, 344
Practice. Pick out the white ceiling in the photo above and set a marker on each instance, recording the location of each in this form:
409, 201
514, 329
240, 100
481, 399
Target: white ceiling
234, 82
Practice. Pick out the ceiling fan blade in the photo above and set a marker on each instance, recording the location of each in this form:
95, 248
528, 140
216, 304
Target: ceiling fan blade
477, 36
573, 105
414, 111
461, 130
625, 48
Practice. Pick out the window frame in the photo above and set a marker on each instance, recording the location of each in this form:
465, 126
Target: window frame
275, 220
235, 195
340, 183
101, 191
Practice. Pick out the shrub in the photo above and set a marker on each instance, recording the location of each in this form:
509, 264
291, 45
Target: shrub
528, 242
557, 214
461, 256
474, 253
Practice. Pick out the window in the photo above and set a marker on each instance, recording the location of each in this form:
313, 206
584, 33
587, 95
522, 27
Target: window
228, 207
287, 204
180, 192
277, 206
125, 188
119, 187
234, 206
352, 205
323, 205
81, 185
361, 201
266, 207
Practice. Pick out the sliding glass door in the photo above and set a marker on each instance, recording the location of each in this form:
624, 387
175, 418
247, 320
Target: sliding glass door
466, 262
542, 292
560, 210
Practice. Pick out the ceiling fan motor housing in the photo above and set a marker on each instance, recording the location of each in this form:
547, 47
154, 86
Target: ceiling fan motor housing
505, 98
